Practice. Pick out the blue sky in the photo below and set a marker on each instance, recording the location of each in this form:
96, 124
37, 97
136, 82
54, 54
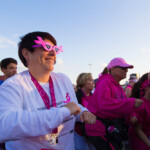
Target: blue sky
92, 32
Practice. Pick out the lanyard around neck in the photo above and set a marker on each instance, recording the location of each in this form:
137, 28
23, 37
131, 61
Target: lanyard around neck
43, 94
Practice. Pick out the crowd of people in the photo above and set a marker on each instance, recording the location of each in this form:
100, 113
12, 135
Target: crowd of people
43, 110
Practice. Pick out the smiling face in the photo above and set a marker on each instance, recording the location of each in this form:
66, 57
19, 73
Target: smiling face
40, 60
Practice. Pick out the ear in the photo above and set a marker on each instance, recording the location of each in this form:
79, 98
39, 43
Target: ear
25, 53
3, 70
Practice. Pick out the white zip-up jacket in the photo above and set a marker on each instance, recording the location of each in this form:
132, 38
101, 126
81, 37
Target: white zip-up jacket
25, 123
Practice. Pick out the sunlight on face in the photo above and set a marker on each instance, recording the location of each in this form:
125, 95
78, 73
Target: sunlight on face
41, 59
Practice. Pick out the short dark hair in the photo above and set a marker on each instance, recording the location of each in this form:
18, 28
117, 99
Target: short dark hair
27, 41
5, 62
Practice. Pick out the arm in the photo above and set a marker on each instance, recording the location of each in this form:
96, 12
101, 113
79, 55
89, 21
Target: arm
110, 106
128, 92
141, 134
18, 123
85, 115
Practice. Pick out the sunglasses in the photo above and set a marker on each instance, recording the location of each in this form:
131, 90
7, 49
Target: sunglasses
122, 68
47, 46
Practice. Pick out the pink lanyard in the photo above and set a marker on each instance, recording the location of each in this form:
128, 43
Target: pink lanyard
43, 94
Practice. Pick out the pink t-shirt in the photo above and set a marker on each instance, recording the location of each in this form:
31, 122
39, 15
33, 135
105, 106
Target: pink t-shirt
143, 115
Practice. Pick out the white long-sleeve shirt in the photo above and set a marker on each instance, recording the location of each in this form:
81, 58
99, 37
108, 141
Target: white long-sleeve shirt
25, 122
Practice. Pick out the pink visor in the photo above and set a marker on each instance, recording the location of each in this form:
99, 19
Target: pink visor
119, 62
47, 46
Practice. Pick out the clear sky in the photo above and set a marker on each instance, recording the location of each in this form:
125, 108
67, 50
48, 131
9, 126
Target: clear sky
92, 32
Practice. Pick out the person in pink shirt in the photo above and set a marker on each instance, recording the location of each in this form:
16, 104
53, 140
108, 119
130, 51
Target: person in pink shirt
110, 105
139, 132
85, 85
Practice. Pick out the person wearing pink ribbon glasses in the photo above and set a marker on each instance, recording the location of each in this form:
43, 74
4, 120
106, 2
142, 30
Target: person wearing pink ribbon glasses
38, 108
139, 131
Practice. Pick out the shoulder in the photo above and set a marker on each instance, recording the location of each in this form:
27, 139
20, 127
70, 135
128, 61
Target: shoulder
105, 80
17, 79
79, 93
60, 76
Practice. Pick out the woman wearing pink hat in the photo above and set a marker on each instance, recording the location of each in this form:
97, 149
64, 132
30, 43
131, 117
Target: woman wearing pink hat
110, 105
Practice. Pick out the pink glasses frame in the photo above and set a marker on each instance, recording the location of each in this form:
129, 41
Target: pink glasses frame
47, 46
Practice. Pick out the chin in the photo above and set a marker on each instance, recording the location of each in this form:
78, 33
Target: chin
124, 77
51, 68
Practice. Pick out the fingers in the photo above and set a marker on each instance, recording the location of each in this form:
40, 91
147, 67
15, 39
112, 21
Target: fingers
81, 118
73, 107
77, 111
138, 102
133, 120
88, 117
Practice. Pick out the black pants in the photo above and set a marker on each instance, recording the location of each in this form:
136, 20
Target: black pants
101, 144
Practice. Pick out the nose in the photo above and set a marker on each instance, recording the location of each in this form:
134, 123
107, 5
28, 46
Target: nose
126, 70
15, 70
52, 51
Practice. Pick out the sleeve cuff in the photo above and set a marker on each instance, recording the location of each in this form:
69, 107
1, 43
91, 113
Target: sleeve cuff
66, 112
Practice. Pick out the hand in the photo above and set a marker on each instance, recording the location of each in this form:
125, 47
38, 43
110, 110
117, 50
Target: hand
138, 102
88, 117
133, 120
73, 107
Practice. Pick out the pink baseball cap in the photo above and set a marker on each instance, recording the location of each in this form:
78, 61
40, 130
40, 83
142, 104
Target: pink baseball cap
118, 61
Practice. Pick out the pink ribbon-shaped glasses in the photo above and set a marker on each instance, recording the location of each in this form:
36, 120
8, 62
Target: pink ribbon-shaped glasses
47, 46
